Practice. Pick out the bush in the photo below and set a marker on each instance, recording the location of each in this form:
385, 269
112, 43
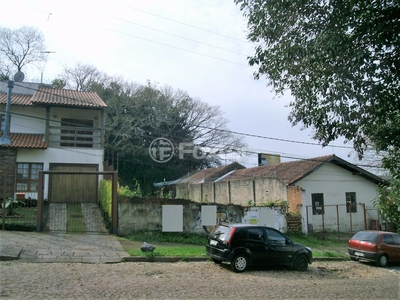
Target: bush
105, 197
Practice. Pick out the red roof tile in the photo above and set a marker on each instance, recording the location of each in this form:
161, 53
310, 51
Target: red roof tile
56, 97
67, 97
26, 140
16, 99
287, 172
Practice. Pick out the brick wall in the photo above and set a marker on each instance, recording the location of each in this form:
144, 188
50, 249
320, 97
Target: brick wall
293, 223
294, 199
8, 158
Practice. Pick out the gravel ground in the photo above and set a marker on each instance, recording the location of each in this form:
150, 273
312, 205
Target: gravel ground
195, 280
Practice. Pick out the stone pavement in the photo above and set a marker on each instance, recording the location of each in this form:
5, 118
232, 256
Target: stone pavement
60, 247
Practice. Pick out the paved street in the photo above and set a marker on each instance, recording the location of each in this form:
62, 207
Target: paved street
194, 280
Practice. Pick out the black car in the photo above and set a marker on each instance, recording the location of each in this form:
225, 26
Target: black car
243, 244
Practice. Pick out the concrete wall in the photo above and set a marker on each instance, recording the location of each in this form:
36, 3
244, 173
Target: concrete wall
259, 191
135, 214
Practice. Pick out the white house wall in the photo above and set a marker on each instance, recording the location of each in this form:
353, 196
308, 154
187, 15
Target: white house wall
334, 182
59, 156
28, 120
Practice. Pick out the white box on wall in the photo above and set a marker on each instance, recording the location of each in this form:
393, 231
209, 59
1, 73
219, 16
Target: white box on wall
172, 218
208, 215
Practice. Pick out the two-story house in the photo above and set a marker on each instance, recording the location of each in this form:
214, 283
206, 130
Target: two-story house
50, 129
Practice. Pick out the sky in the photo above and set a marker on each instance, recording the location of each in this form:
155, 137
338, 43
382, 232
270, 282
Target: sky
196, 46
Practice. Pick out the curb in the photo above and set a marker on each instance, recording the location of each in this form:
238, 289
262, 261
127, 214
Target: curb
167, 259
170, 259
9, 257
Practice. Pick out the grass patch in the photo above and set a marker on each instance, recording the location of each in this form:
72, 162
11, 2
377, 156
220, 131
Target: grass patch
169, 237
75, 218
194, 245
179, 251
312, 241
24, 220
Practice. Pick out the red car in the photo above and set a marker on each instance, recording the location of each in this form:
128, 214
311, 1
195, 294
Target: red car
379, 247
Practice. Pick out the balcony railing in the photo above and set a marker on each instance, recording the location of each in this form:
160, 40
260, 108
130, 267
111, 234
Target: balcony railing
79, 137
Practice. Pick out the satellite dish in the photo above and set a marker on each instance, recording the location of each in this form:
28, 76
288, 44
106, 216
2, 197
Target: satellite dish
19, 76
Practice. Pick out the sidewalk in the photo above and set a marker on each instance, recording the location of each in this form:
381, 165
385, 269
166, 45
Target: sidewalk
60, 247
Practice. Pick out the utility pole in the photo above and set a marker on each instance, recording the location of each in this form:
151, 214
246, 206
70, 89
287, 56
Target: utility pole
47, 52
5, 138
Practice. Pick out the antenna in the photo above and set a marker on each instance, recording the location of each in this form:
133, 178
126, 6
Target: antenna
19, 76
41, 74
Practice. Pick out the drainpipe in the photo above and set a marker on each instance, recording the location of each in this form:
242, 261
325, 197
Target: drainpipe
5, 139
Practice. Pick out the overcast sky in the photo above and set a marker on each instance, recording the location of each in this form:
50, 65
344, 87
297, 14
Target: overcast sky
196, 46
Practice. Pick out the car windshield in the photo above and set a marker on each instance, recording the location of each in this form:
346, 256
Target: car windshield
366, 236
221, 232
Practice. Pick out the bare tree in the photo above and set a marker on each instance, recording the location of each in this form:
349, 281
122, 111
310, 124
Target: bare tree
20, 47
82, 77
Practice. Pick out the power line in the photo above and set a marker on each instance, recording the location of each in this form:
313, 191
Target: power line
171, 34
179, 22
204, 127
163, 44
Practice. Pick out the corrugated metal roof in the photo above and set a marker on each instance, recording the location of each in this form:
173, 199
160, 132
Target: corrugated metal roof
26, 140
211, 174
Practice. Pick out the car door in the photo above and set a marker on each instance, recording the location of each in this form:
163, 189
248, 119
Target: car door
278, 250
390, 247
255, 243
396, 257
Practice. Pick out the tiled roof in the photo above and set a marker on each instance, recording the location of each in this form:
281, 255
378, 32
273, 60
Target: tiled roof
67, 97
26, 140
287, 172
56, 97
211, 174
16, 99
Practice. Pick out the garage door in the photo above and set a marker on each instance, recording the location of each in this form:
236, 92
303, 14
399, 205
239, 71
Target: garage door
73, 188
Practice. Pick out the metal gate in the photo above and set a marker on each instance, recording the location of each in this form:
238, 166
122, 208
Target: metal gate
73, 204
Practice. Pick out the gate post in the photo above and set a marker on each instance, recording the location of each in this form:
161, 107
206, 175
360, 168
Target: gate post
365, 215
39, 213
114, 205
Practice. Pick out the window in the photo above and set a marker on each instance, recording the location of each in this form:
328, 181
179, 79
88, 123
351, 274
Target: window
387, 239
76, 133
351, 204
255, 234
28, 177
275, 237
317, 203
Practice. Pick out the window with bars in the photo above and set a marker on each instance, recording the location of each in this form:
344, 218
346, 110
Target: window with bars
317, 203
76, 133
28, 177
351, 204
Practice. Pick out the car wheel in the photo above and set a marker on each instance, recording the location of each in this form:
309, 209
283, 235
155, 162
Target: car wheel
216, 261
239, 263
301, 263
382, 261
